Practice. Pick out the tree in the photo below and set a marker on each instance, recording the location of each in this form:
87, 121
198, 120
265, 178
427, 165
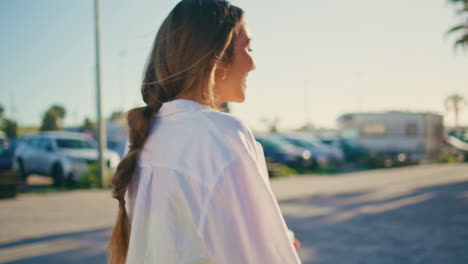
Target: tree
53, 118
462, 28
455, 103
305, 128
89, 127
271, 124
9, 126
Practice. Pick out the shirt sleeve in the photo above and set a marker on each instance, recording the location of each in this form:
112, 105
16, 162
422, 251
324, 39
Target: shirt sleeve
243, 222
263, 167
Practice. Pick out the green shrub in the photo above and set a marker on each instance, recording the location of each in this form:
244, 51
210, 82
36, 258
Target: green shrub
284, 171
447, 158
90, 178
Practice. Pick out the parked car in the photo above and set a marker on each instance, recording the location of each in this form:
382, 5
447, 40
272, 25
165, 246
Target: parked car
458, 140
352, 150
327, 156
6, 156
320, 159
9, 178
285, 153
65, 156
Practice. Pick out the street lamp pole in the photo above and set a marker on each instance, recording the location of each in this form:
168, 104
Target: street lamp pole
101, 124
306, 104
122, 55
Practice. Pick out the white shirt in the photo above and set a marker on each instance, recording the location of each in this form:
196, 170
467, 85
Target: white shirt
201, 194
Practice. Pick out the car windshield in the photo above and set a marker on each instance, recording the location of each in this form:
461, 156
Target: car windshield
67, 143
299, 142
268, 143
352, 143
282, 142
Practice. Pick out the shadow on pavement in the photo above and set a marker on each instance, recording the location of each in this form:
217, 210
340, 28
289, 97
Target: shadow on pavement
76, 247
425, 225
75, 235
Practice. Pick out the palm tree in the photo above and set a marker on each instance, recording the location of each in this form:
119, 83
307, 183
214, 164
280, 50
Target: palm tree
455, 103
53, 118
462, 28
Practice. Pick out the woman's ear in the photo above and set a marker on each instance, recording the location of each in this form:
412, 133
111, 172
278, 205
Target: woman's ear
221, 70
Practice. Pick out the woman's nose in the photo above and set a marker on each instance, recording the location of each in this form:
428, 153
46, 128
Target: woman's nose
253, 65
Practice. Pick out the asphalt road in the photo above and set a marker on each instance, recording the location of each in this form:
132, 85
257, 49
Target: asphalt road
406, 215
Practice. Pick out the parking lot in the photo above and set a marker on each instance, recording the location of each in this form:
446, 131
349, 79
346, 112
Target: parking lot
415, 214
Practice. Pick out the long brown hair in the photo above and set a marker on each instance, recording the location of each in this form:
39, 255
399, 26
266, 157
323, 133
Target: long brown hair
196, 36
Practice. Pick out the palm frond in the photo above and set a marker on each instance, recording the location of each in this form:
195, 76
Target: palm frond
462, 10
462, 42
457, 28
459, 1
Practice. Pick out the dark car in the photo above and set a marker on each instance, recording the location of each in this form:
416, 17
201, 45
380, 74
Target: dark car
324, 155
352, 150
9, 177
285, 153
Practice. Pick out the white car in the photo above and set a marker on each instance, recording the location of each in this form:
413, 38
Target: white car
65, 156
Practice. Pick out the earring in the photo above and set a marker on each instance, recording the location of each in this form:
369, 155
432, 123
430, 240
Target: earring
225, 71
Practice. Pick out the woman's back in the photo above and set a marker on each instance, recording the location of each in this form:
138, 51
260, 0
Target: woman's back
197, 188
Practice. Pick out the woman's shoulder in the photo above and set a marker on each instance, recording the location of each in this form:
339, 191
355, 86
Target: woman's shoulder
232, 130
229, 125
205, 132
227, 121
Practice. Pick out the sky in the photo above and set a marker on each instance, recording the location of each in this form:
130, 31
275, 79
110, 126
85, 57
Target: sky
315, 60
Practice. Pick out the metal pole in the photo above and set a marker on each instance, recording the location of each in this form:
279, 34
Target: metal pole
306, 102
122, 55
100, 120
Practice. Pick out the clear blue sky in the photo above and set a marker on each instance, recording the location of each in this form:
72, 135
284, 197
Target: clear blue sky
315, 59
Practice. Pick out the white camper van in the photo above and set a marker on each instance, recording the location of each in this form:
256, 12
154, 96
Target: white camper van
419, 135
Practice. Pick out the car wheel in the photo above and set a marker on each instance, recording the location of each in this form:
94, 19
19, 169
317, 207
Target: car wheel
314, 165
9, 191
70, 181
388, 163
57, 175
22, 170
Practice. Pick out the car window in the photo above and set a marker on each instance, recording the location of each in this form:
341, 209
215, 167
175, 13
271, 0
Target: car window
45, 143
34, 142
67, 143
337, 144
40, 143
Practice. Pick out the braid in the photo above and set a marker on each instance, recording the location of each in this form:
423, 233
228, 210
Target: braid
139, 121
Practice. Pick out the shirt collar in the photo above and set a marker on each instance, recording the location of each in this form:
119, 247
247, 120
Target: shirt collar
181, 105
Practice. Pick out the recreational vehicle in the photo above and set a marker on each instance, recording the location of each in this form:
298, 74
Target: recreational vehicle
408, 135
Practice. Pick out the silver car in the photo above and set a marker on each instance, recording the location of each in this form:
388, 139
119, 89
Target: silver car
65, 156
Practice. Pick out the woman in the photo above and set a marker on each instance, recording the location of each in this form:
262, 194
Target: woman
196, 178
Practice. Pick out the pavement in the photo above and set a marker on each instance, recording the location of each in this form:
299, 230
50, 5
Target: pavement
416, 214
